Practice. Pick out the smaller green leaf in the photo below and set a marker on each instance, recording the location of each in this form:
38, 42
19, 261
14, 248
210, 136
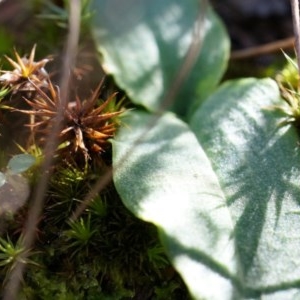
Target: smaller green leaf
2, 179
20, 163
144, 46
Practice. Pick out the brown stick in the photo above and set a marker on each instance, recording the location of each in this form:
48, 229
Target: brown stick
272, 47
13, 284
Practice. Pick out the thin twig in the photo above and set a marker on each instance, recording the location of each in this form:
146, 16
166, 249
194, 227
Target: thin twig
296, 25
13, 285
268, 48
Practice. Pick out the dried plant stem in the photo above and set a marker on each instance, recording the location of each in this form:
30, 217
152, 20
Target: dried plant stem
296, 25
268, 48
13, 285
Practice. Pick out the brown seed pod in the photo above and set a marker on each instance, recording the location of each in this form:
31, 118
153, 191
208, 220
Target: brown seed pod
87, 126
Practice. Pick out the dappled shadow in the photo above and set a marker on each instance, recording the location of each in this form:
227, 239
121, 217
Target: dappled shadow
258, 171
157, 149
177, 251
257, 163
261, 178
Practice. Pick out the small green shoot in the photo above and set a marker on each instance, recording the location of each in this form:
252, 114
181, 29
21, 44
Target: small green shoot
12, 253
80, 233
289, 76
157, 257
98, 206
9, 252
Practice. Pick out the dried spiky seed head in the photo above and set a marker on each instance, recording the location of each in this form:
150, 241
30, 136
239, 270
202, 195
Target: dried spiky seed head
26, 70
87, 127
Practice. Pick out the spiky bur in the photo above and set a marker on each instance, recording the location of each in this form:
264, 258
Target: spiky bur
14, 84
26, 71
87, 125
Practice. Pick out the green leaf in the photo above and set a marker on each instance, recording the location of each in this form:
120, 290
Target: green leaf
163, 176
20, 163
2, 179
144, 44
257, 161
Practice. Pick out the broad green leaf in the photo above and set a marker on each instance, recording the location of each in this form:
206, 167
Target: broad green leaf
144, 43
2, 179
20, 163
13, 193
164, 177
257, 161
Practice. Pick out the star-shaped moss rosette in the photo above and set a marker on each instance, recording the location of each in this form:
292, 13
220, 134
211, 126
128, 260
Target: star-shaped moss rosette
26, 70
87, 125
